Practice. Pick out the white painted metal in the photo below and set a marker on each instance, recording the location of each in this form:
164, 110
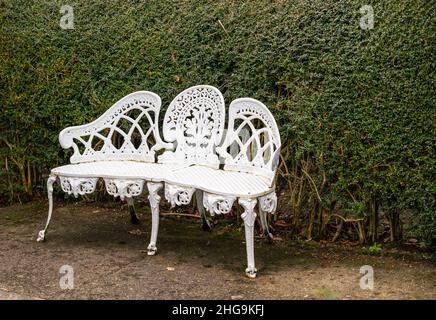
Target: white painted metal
267, 204
50, 181
194, 121
231, 183
260, 153
124, 188
193, 128
117, 169
135, 115
124, 167
154, 198
257, 155
217, 204
178, 195
249, 217
78, 186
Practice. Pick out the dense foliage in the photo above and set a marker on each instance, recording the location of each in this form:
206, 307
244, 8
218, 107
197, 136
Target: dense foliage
355, 107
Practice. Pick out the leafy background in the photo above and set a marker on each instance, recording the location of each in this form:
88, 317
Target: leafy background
355, 107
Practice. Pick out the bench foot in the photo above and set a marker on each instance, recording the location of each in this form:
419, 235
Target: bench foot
41, 236
249, 217
154, 198
50, 181
251, 273
151, 250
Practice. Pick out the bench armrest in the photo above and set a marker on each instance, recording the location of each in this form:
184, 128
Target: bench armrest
131, 122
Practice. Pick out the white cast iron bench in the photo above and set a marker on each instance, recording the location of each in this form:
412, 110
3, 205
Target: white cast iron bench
121, 146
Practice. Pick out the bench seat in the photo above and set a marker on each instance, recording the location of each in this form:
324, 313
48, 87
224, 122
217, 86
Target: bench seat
231, 183
238, 184
197, 157
117, 169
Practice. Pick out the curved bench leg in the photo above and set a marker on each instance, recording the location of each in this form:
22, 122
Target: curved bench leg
267, 204
133, 217
249, 217
154, 198
205, 224
50, 181
264, 223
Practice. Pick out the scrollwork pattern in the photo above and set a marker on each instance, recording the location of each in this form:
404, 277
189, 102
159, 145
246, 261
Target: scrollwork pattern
95, 141
259, 152
78, 186
178, 195
217, 204
268, 203
195, 119
124, 188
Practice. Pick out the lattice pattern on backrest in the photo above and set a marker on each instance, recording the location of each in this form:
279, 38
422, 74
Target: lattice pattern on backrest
126, 131
194, 121
252, 142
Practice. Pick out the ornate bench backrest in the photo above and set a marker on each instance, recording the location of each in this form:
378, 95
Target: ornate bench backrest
126, 131
252, 142
194, 122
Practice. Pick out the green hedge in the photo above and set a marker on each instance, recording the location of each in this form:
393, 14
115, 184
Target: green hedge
355, 107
